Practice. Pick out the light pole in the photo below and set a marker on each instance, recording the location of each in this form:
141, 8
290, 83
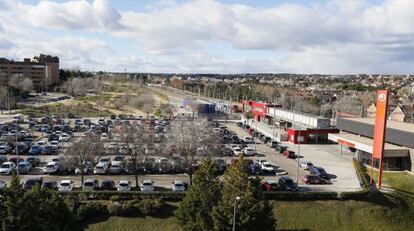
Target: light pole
234, 212
297, 171
17, 152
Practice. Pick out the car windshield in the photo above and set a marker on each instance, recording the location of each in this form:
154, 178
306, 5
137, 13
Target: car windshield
104, 160
99, 167
50, 166
118, 158
289, 181
89, 184
178, 185
147, 184
124, 184
64, 184
5, 166
114, 166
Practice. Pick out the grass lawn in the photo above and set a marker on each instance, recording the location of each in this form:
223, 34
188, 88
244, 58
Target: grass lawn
379, 211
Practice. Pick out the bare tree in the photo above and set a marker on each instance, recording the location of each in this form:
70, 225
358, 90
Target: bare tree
27, 85
145, 103
349, 105
189, 138
135, 138
82, 153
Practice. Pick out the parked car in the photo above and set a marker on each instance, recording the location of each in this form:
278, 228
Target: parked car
104, 137
147, 186
254, 169
270, 185
123, 186
249, 151
30, 183
313, 179
15, 159
272, 143
248, 140
66, 186
287, 184
4, 148
35, 150
280, 148
178, 186
90, 184
49, 184
7, 168
318, 171
101, 168
52, 167
116, 167
267, 167
24, 167
107, 185
237, 151
289, 154
306, 164
48, 150
35, 161
64, 137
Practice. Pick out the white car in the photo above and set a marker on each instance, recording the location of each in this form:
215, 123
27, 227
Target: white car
55, 144
280, 171
7, 168
64, 137
249, 151
3, 184
112, 148
101, 168
104, 137
267, 167
65, 186
116, 167
90, 185
147, 186
51, 167
237, 151
178, 186
247, 140
123, 186
305, 164
117, 138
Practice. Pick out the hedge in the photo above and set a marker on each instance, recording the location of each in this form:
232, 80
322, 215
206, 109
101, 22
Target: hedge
120, 196
362, 175
298, 196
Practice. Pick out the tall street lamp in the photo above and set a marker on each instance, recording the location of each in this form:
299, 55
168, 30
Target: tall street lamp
234, 212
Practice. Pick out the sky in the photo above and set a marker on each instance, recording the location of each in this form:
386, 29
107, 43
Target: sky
214, 36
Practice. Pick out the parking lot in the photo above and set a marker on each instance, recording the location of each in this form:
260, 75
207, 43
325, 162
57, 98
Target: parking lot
62, 133
339, 168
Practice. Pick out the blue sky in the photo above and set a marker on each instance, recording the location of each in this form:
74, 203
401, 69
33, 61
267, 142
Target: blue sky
211, 36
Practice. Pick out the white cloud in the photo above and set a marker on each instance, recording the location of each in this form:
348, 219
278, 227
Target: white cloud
339, 36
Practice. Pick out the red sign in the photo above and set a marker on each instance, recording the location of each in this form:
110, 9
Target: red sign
344, 142
379, 130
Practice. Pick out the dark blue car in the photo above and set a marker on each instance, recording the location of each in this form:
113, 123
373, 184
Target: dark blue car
35, 150
254, 169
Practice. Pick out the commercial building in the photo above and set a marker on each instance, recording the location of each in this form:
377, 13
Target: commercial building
287, 125
357, 135
198, 106
43, 70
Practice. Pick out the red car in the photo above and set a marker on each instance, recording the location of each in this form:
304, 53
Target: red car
14, 159
289, 154
313, 179
270, 185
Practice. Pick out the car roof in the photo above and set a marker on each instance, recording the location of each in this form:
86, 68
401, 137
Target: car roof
65, 181
147, 181
271, 181
8, 162
178, 182
90, 180
124, 181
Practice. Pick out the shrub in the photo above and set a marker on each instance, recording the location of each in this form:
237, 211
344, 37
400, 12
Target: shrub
114, 209
114, 198
298, 196
150, 206
91, 209
362, 175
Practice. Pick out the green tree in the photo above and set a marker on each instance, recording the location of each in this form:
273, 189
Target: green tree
45, 210
252, 213
13, 204
194, 212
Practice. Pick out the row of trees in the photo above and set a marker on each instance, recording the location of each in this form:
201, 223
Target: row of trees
186, 139
37, 209
80, 86
12, 86
236, 200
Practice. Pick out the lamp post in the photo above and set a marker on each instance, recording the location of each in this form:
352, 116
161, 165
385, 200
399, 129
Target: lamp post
234, 212
297, 170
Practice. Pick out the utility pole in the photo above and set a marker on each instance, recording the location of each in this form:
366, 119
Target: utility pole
298, 157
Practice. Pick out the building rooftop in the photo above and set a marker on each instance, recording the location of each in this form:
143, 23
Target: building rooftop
407, 127
368, 141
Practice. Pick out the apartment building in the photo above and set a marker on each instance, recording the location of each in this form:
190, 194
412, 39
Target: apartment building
43, 70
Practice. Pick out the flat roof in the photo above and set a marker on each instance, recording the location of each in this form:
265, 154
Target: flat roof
407, 127
367, 141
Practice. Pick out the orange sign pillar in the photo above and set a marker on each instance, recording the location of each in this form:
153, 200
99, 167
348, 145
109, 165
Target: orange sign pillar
379, 132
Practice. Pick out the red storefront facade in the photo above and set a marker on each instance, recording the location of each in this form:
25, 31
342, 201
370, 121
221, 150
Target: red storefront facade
259, 109
309, 135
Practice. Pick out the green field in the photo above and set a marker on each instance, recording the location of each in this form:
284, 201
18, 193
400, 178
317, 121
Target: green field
391, 211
